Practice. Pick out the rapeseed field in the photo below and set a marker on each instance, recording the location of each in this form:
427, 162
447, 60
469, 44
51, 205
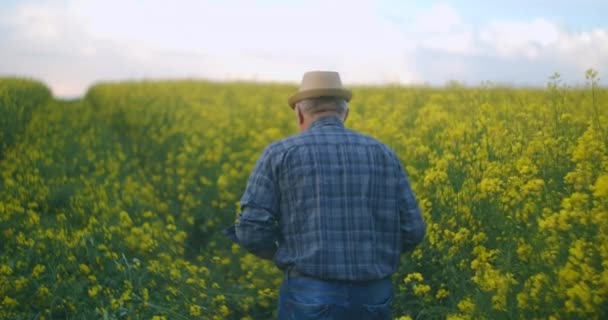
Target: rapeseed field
112, 206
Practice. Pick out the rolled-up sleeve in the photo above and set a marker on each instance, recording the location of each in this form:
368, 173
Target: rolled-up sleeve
412, 225
257, 228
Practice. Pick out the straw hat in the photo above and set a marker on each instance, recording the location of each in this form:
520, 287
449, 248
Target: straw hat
320, 84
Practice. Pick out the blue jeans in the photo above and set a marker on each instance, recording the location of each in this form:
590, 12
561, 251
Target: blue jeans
308, 298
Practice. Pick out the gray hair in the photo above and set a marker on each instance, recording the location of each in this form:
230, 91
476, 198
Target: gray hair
313, 106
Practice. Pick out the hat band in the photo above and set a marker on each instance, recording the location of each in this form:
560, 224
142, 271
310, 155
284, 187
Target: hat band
321, 92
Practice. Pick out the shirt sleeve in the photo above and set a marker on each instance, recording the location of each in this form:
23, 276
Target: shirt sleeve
412, 225
257, 229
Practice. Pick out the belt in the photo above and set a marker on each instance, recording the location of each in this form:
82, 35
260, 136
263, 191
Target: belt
293, 273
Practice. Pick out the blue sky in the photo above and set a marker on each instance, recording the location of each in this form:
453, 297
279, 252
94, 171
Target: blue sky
70, 44
577, 15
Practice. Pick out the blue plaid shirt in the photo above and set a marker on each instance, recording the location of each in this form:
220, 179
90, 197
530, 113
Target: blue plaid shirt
331, 203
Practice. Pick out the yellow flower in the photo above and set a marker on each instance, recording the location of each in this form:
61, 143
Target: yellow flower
224, 311
441, 293
421, 289
5, 270
9, 302
175, 275
84, 269
94, 290
235, 248
20, 283
524, 251
125, 219
38, 270
466, 305
600, 189
195, 310
415, 276
42, 292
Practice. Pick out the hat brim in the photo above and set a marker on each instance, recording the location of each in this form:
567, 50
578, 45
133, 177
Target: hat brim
316, 93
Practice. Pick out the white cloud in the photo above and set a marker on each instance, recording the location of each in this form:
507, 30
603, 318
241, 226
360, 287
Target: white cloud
74, 43
584, 50
440, 18
516, 52
203, 39
517, 38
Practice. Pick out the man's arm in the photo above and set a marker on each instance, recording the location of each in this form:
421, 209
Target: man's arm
257, 232
257, 228
412, 225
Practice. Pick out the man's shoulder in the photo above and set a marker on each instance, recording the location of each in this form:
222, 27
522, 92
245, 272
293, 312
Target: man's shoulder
367, 140
279, 148
312, 138
284, 144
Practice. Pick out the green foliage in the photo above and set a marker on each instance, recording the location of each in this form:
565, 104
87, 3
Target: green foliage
112, 207
18, 99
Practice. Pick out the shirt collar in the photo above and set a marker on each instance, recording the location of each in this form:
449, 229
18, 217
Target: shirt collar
330, 120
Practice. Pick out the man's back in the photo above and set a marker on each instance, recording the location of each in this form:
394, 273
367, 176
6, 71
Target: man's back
333, 208
343, 202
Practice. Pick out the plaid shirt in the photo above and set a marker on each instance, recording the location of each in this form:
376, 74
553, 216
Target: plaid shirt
331, 203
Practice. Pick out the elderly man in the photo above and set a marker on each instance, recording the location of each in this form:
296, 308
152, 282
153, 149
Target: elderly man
333, 208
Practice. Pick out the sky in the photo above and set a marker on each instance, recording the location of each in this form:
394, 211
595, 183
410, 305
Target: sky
72, 44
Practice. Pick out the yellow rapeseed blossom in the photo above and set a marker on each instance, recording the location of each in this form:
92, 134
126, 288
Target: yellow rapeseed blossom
195, 310
37, 271
5, 270
421, 289
9, 302
84, 269
466, 305
126, 190
441, 293
416, 276
94, 290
